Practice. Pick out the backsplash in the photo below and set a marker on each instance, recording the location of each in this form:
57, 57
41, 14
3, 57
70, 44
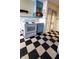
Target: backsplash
29, 19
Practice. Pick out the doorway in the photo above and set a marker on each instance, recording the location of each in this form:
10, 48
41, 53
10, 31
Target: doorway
50, 21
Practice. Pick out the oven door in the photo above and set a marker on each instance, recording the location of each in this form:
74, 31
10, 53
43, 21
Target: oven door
30, 28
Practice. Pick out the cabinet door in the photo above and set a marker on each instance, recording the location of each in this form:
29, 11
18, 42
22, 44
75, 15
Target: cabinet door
27, 5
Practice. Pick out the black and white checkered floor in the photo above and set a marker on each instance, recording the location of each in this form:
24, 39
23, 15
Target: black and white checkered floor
42, 46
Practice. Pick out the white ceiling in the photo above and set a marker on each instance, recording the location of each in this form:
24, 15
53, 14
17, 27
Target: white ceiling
55, 1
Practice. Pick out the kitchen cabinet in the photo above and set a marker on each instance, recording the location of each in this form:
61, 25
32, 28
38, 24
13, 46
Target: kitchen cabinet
31, 8
26, 5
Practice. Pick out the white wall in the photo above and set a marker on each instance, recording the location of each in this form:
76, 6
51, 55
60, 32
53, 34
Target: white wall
27, 5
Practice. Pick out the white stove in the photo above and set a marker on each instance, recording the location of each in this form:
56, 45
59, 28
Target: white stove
30, 30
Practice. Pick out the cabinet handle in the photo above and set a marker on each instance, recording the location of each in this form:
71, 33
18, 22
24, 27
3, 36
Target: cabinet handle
26, 11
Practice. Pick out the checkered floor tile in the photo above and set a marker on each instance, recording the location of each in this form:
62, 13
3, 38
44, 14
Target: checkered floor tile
42, 46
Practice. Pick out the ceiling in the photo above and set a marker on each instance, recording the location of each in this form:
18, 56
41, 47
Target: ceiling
55, 1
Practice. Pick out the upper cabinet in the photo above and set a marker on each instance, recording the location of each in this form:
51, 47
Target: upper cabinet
26, 5
31, 8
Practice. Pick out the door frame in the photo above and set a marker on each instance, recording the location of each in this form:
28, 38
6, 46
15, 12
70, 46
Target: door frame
51, 13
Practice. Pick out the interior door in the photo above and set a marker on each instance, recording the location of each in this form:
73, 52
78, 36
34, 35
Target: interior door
48, 20
53, 21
